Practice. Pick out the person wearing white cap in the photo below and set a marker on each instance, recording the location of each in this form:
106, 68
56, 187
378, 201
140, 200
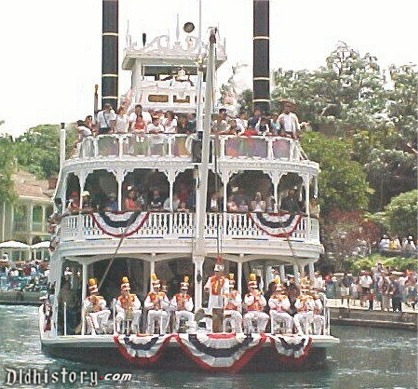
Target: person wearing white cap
128, 307
255, 303
279, 309
232, 307
182, 302
157, 304
97, 315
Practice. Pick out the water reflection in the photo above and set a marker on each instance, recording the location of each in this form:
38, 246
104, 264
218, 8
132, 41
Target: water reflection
366, 358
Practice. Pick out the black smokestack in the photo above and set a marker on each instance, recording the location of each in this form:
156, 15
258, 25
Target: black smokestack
261, 55
110, 50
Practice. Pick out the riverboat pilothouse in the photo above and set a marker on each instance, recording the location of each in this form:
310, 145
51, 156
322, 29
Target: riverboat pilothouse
165, 240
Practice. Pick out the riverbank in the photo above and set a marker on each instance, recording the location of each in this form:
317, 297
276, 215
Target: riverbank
356, 315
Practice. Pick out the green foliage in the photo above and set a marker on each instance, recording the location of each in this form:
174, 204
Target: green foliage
342, 182
401, 214
374, 110
7, 162
37, 150
397, 262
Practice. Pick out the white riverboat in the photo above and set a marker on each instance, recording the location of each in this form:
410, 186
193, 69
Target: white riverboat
106, 245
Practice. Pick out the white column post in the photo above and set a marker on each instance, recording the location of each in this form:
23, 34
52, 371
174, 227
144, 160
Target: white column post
83, 297
239, 275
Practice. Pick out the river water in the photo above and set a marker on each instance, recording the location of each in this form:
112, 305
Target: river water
366, 358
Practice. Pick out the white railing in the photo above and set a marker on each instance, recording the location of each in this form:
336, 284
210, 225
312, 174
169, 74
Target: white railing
181, 225
179, 145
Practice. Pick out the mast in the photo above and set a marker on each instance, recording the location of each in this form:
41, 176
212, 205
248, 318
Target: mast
199, 251
261, 55
110, 52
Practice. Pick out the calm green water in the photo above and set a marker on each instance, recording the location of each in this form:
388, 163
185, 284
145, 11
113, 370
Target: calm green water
366, 358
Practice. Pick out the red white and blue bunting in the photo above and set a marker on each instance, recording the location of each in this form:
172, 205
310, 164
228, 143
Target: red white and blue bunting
119, 224
221, 352
273, 224
142, 350
291, 346
218, 352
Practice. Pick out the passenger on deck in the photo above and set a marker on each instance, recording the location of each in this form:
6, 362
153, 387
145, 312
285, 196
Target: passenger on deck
155, 127
169, 122
263, 126
182, 302
258, 204
139, 119
128, 308
288, 120
121, 121
96, 312
111, 204
130, 203
106, 119
74, 202
220, 124
290, 203
233, 304
157, 304
255, 303
156, 202
87, 205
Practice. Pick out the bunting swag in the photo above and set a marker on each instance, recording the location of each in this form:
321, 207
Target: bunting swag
221, 352
273, 224
120, 224
141, 350
292, 348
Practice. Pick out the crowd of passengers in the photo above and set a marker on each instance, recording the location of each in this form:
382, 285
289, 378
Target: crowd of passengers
140, 121
184, 200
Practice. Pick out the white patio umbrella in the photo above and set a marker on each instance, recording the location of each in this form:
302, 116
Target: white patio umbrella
14, 246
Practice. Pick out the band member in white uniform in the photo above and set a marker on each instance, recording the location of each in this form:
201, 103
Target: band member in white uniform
97, 314
318, 317
232, 307
157, 304
279, 312
255, 303
304, 317
182, 302
128, 307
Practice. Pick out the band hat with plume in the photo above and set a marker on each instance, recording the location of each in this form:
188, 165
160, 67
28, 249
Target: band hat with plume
252, 283
219, 266
185, 283
155, 281
125, 284
93, 286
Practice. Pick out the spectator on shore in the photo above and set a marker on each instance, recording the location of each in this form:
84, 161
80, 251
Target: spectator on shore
384, 243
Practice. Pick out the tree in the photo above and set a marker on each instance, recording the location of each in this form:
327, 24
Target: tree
7, 163
342, 182
400, 215
37, 150
348, 233
375, 110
